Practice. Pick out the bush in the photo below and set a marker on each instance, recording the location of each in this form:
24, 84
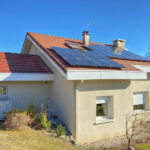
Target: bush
12, 112
41, 121
20, 109
17, 118
31, 109
18, 121
60, 130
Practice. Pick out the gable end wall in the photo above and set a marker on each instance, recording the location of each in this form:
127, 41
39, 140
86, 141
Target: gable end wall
61, 94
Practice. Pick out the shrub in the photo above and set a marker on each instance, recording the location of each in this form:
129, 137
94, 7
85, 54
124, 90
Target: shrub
60, 130
20, 109
41, 121
31, 109
18, 121
12, 112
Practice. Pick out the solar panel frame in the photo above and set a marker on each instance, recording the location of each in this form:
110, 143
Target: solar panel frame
85, 58
108, 52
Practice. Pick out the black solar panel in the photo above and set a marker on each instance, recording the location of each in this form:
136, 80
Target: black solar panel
85, 58
113, 52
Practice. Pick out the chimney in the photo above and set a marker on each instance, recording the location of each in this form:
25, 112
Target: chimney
119, 43
86, 38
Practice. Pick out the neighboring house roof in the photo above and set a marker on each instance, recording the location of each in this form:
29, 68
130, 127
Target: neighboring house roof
22, 63
46, 42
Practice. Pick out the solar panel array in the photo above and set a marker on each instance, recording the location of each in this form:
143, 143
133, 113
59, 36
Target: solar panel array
86, 58
114, 52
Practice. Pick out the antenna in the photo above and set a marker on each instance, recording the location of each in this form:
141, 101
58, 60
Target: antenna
89, 23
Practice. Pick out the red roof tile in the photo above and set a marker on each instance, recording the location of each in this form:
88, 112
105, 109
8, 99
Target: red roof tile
22, 63
129, 64
46, 42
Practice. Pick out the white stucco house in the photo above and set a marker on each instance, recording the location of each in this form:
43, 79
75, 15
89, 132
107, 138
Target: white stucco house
89, 86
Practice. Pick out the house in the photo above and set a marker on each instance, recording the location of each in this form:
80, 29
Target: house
90, 86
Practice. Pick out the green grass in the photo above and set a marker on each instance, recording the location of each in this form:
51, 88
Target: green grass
143, 146
38, 140
31, 140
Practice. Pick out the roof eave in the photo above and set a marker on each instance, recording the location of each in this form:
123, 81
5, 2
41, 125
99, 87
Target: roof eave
105, 75
26, 76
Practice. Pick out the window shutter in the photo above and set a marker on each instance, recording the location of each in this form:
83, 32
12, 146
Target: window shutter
102, 100
139, 98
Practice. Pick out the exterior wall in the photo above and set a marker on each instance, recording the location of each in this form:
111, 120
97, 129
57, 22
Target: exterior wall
62, 93
23, 92
75, 103
121, 92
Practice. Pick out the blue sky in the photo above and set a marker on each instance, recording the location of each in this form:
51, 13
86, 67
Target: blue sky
109, 19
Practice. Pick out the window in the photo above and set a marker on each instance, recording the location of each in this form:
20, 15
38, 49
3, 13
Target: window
3, 92
103, 108
139, 100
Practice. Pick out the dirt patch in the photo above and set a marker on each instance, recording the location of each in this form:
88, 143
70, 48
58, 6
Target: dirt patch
142, 135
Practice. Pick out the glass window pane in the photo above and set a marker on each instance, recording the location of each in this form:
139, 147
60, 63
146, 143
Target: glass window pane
102, 110
139, 107
3, 91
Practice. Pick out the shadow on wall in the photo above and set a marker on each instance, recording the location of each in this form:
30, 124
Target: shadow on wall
95, 85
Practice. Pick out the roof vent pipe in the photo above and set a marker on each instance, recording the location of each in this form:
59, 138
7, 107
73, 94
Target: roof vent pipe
119, 43
86, 38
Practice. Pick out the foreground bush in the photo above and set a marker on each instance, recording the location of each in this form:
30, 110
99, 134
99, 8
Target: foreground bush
12, 112
31, 109
18, 121
41, 120
60, 130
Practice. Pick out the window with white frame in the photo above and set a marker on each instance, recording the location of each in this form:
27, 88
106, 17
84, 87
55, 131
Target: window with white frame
102, 108
139, 101
3, 92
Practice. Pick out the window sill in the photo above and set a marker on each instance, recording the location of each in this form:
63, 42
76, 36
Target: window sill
104, 121
140, 112
4, 98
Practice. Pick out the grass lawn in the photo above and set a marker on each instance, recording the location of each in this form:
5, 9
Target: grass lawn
32, 140
143, 146
37, 140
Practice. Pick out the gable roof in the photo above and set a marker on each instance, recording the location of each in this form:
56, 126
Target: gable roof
22, 63
46, 42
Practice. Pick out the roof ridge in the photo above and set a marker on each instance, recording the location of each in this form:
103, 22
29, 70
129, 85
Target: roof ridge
54, 36
80, 40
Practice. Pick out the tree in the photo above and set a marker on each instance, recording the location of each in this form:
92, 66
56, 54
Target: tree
130, 123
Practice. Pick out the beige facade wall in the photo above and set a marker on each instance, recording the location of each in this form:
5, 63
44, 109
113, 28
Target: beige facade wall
23, 92
75, 103
62, 94
121, 92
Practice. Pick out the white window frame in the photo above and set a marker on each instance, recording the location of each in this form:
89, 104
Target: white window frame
144, 102
102, 100
6, 95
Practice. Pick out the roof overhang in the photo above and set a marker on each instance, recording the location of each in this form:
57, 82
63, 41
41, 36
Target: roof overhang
88, 74
26, 77
104, 75
143, 68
